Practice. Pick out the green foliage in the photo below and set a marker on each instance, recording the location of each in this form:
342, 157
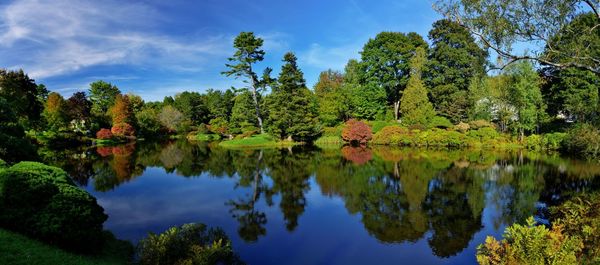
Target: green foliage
580, 217
260, 140
219, 125
333, 98
329, 140
293, 110
530, 244
574, 93
526, 97
583, 141
414, 105
243, 117
188, 244
193, 136
42, 202
13, 144
454, 60
17, 249
193, 107
171, 118
390, 135
550, 141
102, 96
148, 123
22, 95
440, 122
376, 126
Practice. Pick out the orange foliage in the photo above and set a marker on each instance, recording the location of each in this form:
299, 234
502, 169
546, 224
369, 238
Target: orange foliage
104, 151
121, 110
104, 134
123, 129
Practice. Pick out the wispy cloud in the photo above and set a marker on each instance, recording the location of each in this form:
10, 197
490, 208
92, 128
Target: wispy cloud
334, 57
50, 38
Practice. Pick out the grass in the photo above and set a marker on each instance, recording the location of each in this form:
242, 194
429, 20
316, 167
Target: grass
260, 140
329, 140
203, 137
17, 249
108, 142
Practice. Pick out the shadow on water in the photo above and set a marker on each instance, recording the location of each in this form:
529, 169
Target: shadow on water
400, 195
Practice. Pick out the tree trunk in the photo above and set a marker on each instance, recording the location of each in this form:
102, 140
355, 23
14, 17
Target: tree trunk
255, 98
396, 109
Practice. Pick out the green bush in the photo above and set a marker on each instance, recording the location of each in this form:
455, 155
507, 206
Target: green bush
583, 140
554, 141
376, 126
389, 135
3, 164
329, 140
42, 202
440, 122
534, 142
530, 244
188, 244
478, 124
580, 217
333, 131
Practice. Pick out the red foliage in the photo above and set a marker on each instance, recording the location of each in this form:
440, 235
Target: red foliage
357, 132
104, 134
358, 155
104, 151
124, 150
123, 129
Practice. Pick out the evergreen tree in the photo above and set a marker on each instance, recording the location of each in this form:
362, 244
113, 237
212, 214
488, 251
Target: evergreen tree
22, 95
454, 60
248, 52
414, 105
292, 107
102, 96
242, 117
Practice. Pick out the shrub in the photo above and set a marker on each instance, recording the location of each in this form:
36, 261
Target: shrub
554, 141
188, 244
3, 164
42, 202
580, 217
218, 125
462, 127
333, 131
583, 140
376, 126
389, 135
533, 142
104, 134
530, 244
478, 124
356, 132
417, 127
123, 129
329, 140
440, 122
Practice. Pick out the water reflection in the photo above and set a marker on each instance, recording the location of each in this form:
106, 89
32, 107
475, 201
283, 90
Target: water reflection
400, 195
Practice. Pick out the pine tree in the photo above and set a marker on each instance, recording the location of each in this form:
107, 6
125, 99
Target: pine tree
415, 105
293, 110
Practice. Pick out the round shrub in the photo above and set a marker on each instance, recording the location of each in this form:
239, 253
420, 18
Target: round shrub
356, 132
478, 124
123, 129
104, 134
42, 202
440, 122
583, 140
462, 127
389, 135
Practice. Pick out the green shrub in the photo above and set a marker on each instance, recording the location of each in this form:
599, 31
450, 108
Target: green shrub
333, 131
530, 244
440, 122
583, 140
580, 217
534, 142
329, 140
478, 124
3, 164
376, 126
188, 244
554, 141
389, 135
42, 202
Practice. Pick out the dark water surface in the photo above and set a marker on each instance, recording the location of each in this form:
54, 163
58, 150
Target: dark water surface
327, 205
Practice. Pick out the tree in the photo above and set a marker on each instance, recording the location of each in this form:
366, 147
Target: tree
13, 144
357, 132
385, 63
22, 95
242, 118
78, 106
171, 118
55, 112
415, 106
193, 107
454, 60
332, 98
292, 107
102, 95
249, 52
503, 24
218, 103
574, 93
526, 97
121, 110
148, 123
364, 101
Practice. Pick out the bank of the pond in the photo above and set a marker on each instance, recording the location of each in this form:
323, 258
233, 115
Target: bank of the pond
261, 140
17, 249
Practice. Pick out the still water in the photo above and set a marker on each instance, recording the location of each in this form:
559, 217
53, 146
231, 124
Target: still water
335, 205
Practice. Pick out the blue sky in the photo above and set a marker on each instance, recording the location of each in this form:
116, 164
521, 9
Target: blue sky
156, 48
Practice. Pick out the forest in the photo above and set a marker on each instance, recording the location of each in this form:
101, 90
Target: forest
462, 86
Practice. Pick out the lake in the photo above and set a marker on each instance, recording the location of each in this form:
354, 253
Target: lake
333, 205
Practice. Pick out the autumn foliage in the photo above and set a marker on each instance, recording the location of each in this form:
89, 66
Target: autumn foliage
358, 155
121, 111
104, 134
357, 132
123, 129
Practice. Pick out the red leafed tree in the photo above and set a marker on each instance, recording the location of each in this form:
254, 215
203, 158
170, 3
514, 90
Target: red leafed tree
104, 134
121, 110
357, 132
123, 129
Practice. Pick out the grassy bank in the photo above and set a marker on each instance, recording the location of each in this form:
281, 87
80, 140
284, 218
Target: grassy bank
203, 137
261, 140
17, 249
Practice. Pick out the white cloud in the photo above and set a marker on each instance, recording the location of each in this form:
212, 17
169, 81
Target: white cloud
330, 57
51, 38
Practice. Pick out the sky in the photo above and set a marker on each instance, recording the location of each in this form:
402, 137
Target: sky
157, 48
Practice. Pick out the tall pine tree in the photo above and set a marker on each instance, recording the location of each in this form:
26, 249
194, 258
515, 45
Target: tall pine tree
293, 110
414, 104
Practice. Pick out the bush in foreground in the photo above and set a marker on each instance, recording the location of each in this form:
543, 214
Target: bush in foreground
188, 244
584, 140
356, 132
42, 202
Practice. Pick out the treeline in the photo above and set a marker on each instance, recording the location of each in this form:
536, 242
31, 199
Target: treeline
399, 78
